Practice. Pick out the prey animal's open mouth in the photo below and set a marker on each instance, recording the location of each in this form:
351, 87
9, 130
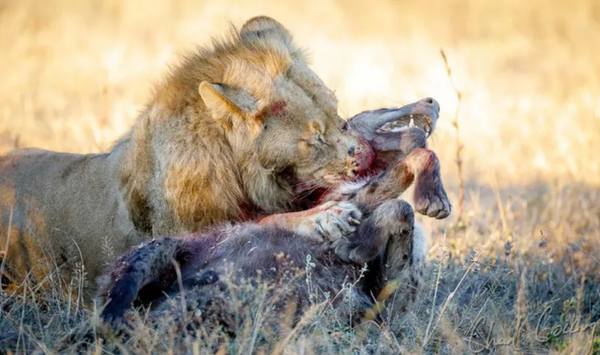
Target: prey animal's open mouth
388, 123
421, 121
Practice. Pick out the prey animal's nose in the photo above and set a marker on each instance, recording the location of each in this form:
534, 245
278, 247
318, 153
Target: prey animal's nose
430, 103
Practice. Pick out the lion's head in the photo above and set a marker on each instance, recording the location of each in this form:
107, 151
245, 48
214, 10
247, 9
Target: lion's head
273, 106
244, 121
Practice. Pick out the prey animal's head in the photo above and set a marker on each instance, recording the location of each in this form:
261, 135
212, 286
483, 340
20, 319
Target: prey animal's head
394, 132
422, 115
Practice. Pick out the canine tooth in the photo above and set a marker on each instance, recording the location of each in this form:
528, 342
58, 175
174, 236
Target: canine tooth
412, 122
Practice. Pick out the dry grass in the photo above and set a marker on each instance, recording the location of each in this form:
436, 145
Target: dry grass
74, 74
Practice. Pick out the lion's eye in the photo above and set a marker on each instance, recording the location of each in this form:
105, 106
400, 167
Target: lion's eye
320, 140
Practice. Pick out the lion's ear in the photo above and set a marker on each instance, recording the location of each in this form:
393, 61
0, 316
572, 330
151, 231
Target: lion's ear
264, 27
223, 102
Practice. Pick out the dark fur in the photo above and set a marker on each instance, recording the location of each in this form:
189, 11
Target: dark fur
148, 274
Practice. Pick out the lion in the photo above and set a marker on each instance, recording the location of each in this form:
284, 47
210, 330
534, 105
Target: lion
239, 130
197, 270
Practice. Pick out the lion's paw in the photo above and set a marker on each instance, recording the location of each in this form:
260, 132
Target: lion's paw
337, 221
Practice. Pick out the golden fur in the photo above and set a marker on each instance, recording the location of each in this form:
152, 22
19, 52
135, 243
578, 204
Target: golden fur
238, 129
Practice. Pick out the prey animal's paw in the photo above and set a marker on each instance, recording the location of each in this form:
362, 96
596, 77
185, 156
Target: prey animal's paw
113, 313
351, 250
431, 198
337, 220
120, 298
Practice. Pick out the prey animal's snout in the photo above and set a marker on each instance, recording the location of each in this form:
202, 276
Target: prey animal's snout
383, 129
392, 133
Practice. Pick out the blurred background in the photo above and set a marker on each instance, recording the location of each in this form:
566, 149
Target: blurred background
74, 74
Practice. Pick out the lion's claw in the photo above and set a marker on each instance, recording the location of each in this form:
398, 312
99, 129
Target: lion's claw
337, 221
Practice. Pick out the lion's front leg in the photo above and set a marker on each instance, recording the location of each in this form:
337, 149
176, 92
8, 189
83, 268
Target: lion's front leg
329, 221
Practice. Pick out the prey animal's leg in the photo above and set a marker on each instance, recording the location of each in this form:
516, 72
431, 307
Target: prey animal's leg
390, 219
400, 274
430, 197
395, 276
143, 272
420, 166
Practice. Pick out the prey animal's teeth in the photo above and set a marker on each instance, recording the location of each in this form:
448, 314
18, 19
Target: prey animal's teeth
412, 122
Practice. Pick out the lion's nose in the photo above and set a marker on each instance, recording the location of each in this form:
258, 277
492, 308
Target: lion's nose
430, 103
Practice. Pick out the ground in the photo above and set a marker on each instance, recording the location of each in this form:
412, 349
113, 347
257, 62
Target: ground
519, 270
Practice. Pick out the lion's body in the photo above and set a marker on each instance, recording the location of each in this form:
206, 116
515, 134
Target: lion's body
46, 217
241, 128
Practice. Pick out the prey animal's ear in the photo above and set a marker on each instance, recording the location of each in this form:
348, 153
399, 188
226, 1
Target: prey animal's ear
225, 103
264, 27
